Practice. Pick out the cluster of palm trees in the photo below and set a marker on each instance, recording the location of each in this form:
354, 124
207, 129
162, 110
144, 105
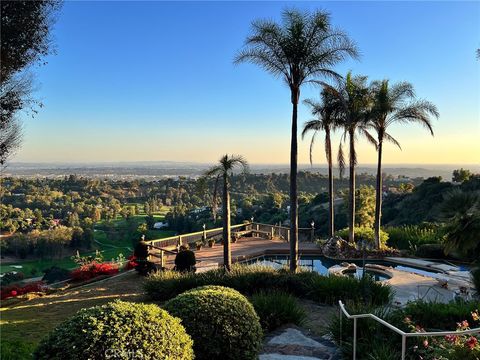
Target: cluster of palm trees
303, 49
358, 108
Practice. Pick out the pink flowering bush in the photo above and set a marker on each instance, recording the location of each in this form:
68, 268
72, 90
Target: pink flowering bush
465, 347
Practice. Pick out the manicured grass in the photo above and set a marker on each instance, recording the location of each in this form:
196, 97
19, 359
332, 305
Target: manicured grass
109, 248
31, 320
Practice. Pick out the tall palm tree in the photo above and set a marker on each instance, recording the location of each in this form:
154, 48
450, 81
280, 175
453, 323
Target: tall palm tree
224, 169
394, 104
325, 112
303, 48
354, 102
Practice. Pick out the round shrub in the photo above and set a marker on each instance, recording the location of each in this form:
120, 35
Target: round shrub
185, 261
118, 330
221, 321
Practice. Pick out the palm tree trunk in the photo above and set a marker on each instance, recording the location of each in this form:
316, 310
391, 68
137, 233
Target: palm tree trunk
331, 220
351, 232
227, 256
378, 202
293, 186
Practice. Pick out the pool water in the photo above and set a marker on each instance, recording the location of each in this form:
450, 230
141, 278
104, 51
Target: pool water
321, 265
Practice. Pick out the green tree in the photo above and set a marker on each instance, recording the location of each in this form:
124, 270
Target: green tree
325, 120
394, 104
461, 175
461, 212
224, 170
354, 103
25, 40
304, 48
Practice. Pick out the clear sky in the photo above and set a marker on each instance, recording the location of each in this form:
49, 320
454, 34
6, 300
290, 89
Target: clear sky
155, 81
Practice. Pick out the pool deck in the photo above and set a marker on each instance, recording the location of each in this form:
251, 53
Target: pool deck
407, 286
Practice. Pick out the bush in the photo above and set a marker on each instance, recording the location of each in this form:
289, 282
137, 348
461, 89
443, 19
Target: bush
221, 322
16, 350
365, 234
55, 274
438, 316
120, 330
276, 308
17, 290
11, 277
92, 270
249, 279
431, 251
329, 290
409, 237
375, 342
185, 261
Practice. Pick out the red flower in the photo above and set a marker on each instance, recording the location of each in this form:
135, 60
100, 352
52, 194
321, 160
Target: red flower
13, 293
471, 342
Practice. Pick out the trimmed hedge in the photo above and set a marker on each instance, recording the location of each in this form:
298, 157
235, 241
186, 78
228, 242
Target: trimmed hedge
221, 321
250, 279
277, 308
119, 330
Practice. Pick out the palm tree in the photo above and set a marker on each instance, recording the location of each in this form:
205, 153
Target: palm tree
302, 48
460, 211
394, 104
224, 169
324, 112
354, 104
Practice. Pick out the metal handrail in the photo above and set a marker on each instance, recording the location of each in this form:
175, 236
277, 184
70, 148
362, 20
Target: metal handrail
395, 329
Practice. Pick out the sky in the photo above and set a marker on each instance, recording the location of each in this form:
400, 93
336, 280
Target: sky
155, 81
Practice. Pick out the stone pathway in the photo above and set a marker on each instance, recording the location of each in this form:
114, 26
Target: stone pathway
292, 344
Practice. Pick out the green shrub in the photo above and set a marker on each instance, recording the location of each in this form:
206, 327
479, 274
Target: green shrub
439, 316
329, 290
120, 330
374, 341
185, 261
16, 350
11, 277
409, 237
431, 251
369, 333
221, 321
276, 308
250, 279
54, 274
365, 234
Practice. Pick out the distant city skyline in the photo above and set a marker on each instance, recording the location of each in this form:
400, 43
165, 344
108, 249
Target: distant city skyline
152, 81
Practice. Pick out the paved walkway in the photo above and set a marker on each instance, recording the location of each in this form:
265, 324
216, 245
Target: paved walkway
292, 343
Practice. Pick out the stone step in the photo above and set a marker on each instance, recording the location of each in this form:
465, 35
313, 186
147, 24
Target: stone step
293, 344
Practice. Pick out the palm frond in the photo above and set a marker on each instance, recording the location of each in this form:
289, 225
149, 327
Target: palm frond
391, 139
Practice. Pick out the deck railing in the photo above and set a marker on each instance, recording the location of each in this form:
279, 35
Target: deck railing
403, 334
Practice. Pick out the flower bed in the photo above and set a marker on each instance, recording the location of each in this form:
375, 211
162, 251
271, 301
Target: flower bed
17, 290
94, 269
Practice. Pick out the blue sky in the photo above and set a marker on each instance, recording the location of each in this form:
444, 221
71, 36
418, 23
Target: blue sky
155, 81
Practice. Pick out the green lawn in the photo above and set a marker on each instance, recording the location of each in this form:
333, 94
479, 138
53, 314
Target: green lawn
109, 248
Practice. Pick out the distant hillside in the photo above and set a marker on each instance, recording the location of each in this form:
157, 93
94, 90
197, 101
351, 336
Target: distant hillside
162, 169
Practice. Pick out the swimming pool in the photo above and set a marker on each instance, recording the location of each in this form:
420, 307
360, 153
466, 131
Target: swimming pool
321, 264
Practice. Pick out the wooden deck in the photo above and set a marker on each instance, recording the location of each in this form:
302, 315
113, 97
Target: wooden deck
243, 249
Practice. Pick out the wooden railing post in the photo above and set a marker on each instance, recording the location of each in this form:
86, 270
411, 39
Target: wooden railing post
288, 235
162, 259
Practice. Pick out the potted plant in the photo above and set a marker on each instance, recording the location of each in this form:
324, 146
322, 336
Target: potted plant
211, 242
199, 245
